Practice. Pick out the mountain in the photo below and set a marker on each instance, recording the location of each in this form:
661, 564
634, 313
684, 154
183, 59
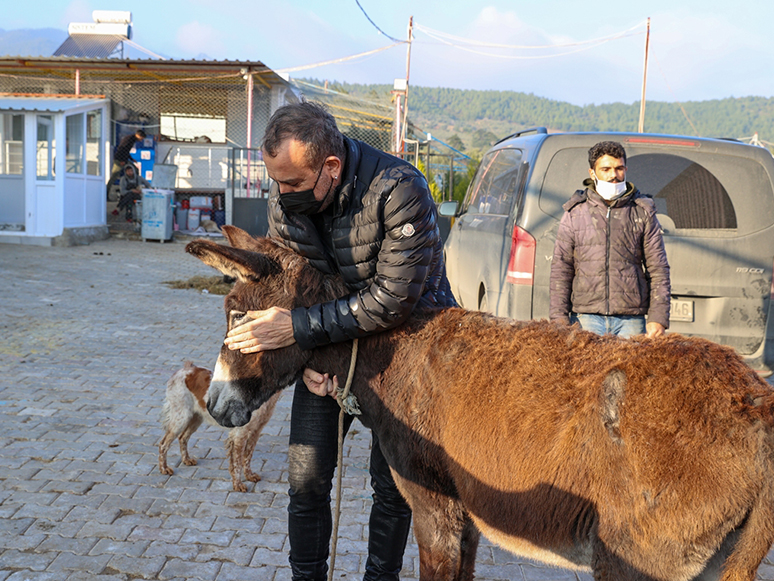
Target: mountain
480, 117
31, 42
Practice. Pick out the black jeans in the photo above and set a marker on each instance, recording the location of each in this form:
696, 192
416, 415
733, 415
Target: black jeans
312, 462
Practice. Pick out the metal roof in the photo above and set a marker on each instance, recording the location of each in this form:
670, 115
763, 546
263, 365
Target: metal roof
140, 67
48, 103
88, 45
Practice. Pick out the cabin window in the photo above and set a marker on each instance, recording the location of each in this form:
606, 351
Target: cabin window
45, 148
74, 147
94, 142
11, 144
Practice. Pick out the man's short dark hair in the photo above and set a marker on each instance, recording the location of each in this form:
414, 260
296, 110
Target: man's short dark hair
309, 123
141, 133
611, 148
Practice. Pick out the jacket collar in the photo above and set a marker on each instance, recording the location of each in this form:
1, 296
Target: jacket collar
349, 177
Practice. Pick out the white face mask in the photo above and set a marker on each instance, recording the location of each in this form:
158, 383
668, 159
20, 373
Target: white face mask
610, 190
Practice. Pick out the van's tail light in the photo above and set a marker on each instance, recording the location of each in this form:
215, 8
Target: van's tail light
521, 266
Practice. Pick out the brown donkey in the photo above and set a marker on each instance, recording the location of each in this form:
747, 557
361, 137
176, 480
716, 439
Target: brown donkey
635, 459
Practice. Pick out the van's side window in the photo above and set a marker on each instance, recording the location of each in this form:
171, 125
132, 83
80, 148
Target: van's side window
495, 184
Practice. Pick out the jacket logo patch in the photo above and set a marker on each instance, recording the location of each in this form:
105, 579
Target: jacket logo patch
407, 230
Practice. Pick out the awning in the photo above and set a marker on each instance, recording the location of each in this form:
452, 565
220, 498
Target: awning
47, 104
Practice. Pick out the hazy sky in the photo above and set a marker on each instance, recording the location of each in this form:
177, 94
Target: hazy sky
699, 49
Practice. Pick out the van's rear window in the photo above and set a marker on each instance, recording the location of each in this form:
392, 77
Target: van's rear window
693, 189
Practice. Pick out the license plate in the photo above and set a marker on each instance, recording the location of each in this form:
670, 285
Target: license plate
681, 310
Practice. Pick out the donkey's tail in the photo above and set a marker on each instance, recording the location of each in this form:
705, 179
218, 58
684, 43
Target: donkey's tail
755, 537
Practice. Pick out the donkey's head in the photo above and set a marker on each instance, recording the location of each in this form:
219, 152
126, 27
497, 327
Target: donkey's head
267, 274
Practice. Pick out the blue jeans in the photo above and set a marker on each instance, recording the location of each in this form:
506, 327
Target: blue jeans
312, 461
622, 325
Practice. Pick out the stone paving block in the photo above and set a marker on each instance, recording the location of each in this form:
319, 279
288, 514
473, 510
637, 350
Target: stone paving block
232, 572
172, 550
272, 541
13, 559
108, 531
57, 543
38, 498
70, 562
37, 576
125, 548
238, 524
81, 576
150, 533
206, 510
65, 529
24, 542
240, 555
186, 570
12, 527
53, 513
264, 557
221, 539
143, 568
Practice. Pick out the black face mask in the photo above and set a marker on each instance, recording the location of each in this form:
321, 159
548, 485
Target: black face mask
304, 202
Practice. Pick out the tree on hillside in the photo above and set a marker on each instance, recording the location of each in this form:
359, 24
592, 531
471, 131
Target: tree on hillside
456, 142
483, 139
462, 181
430, 177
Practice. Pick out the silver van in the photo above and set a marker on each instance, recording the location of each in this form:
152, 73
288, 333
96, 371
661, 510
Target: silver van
715, 203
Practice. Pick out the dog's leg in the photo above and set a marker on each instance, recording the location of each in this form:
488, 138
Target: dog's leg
192, 426
260, 418
166, 442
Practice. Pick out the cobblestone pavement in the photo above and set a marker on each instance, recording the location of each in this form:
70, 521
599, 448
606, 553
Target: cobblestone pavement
90, 336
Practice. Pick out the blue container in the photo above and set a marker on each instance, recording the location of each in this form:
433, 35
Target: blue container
157, 214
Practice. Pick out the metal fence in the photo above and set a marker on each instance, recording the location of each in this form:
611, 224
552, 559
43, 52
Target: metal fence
191, 108
208, 117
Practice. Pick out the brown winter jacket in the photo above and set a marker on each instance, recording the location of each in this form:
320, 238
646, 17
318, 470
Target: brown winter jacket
381, 235
610, 260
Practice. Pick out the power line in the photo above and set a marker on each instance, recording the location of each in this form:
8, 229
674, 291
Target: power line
471, 42
465, 44
339, 60
374, 24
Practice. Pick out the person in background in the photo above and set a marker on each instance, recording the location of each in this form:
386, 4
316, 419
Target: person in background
609, 266
131, 189
121, 156
363, 213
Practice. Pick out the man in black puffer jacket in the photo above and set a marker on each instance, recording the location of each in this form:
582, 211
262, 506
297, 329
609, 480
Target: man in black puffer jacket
351, 209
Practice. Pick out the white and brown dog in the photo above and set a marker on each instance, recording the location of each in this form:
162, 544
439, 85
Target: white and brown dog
184, 411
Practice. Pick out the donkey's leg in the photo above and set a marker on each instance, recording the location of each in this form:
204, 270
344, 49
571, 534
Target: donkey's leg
235, 446
446, 537
468, 550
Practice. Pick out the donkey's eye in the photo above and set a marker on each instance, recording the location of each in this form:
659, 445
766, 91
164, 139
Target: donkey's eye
236, 318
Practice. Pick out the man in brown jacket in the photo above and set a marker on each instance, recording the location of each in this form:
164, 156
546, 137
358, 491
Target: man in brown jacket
609, 267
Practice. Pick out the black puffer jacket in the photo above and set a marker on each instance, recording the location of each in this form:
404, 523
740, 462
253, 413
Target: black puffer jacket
384, 241
610, 260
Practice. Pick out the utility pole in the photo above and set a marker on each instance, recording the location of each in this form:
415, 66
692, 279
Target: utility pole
408, 68
641, 126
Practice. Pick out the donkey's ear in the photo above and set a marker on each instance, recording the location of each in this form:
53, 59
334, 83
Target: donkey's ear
238, 238
235, 262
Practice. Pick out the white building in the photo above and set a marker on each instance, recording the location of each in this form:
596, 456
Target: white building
54, 162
